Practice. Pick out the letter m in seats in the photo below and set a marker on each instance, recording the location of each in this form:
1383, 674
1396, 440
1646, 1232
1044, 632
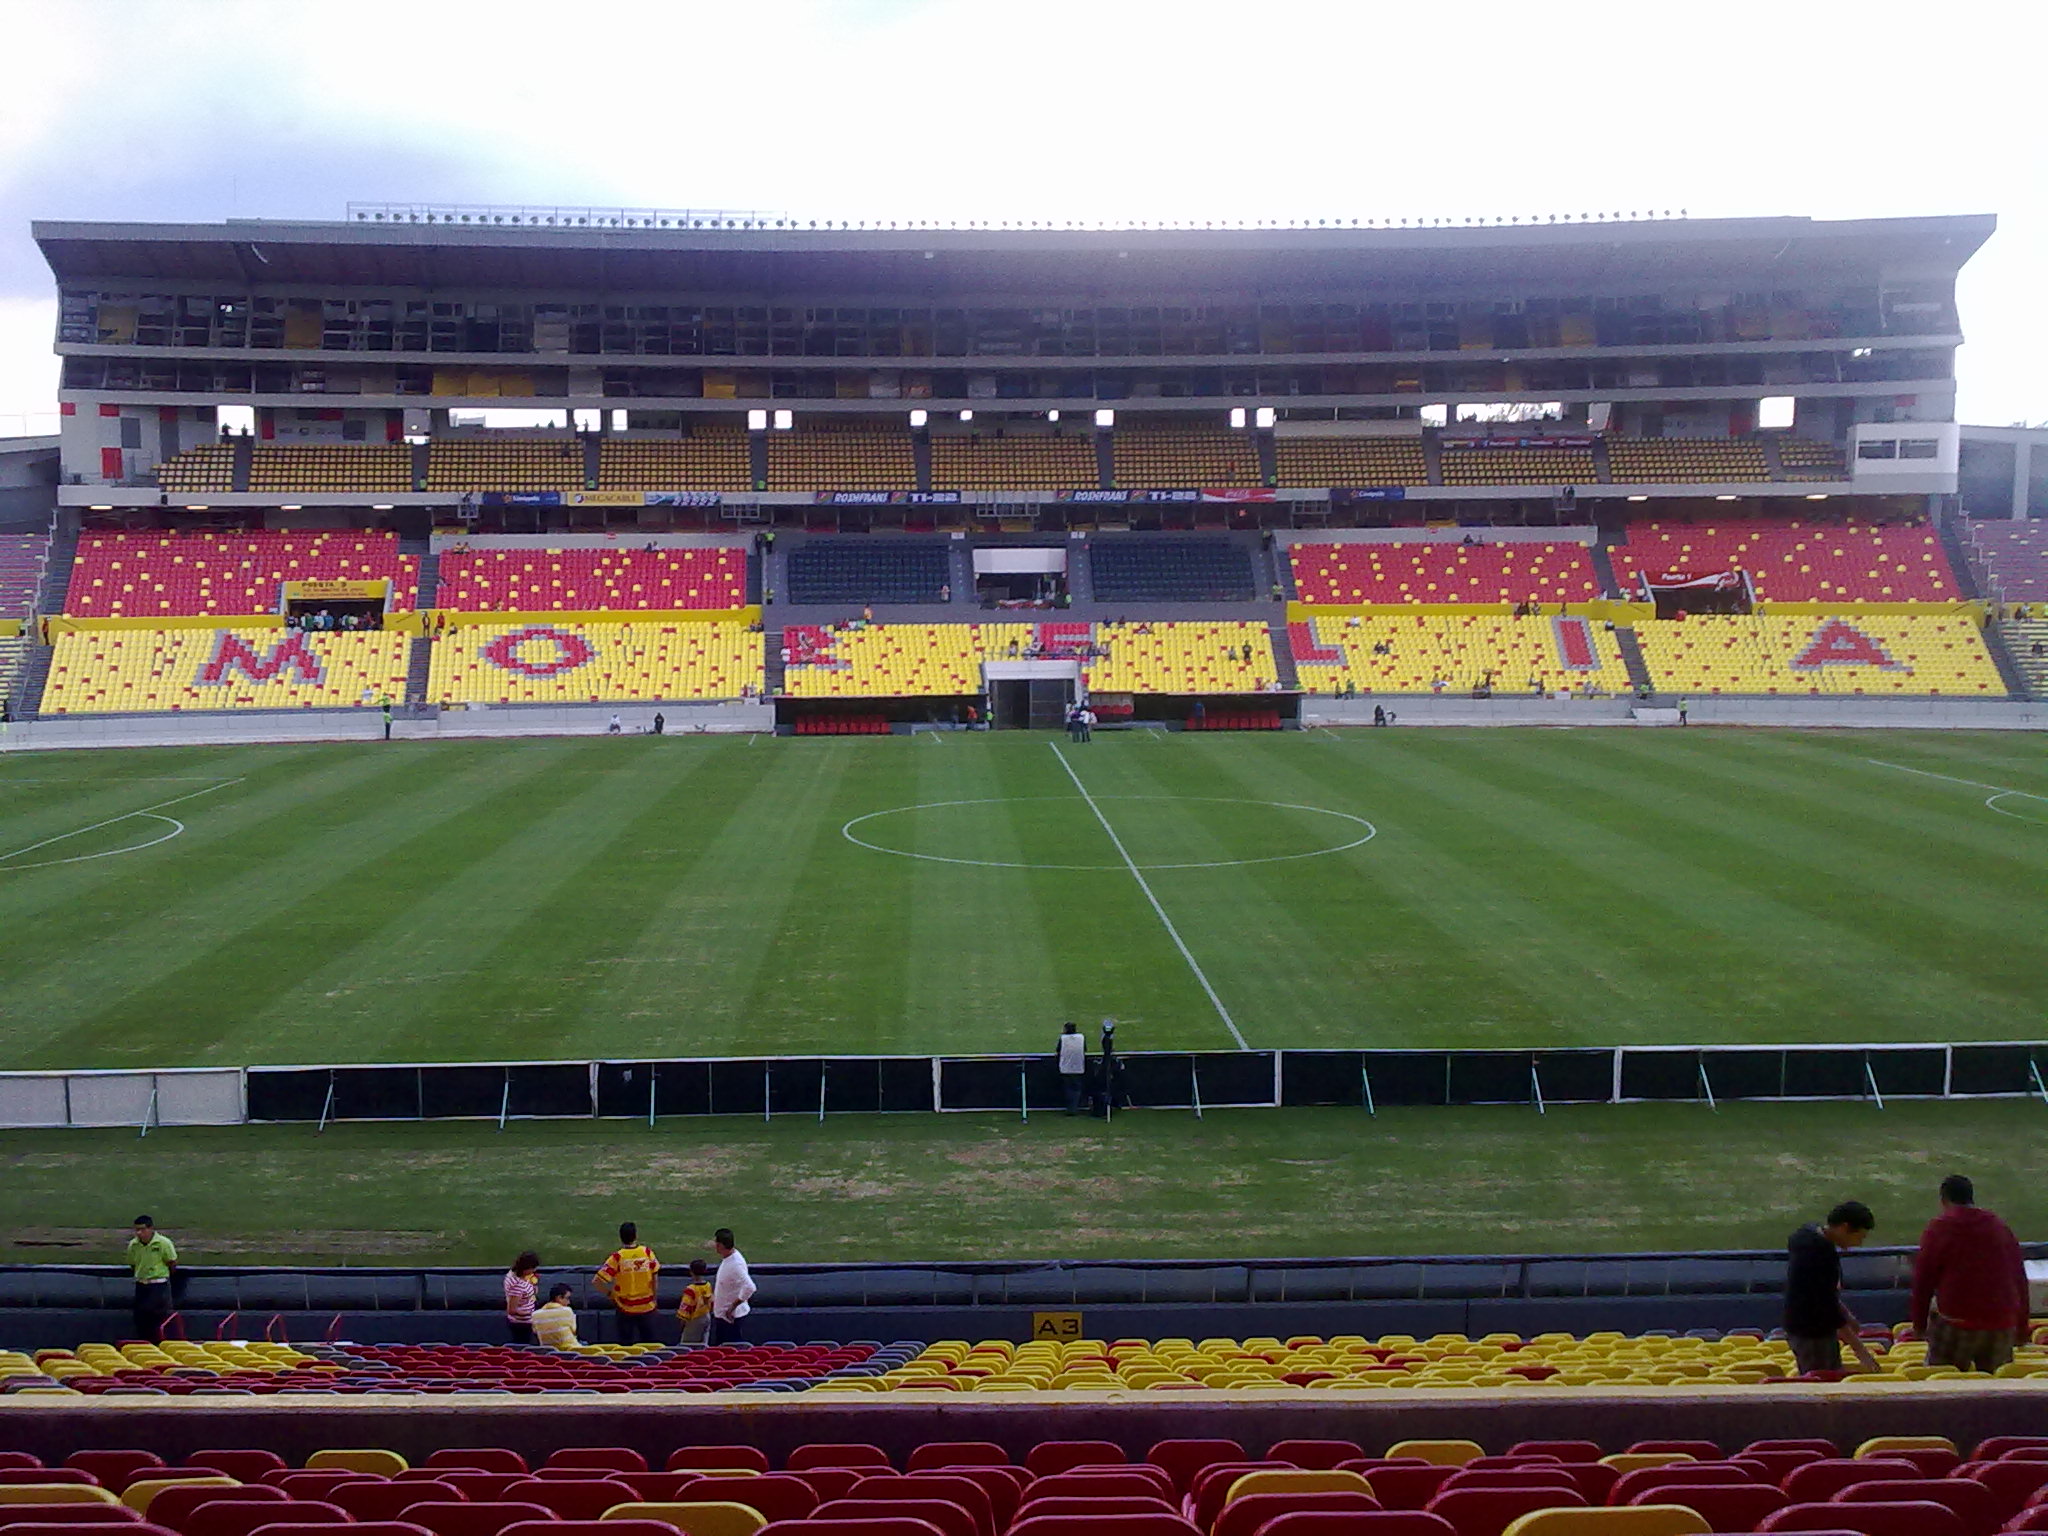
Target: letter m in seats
232, 654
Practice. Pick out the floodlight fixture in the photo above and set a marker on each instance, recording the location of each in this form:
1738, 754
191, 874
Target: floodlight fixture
1105, 418
967, 415
1052, 415
919, 418
380, 506
757, 421
1817, 496
1724, 498
199, 509
290, 506
1237, 417
1265, 416
784, 420
107, 508
1639, 498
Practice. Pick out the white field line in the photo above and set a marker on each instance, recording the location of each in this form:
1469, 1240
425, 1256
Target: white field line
147, 810
1172, 932
1998, 791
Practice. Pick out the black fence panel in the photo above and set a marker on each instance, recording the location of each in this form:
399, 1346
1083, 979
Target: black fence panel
293, 1093
377, 1093
793, 1086
1660, 1074
449, 1093
1834, 1074
1005, 1083
906, 1083
1160, 1080
1490, 1077
1235, 1077
562, 1089
1746, 1074
1404, 1078
739, 1087
1576, 1077
1983, 1068
1321, 1077
1917, 1070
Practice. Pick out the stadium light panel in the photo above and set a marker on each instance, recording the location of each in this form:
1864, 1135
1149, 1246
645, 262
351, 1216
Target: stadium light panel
1639, 498
1774, 412
199, 509
1724, 498
1052, 415
1237, 417
107, 508
288, 506
967, 415
919, 418
784, 420
1265, 416
380, 506
1817, 496
757, 421
1105, 418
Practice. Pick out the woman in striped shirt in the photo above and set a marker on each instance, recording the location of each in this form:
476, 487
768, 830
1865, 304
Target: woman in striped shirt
522, 1286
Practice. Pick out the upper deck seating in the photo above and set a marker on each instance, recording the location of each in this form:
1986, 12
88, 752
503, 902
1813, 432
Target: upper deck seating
2014, 556
539, 663
711, 458
1796, 562
1167, 455
148, 575
330, 467
1517, 466
1319, 462
505, 464
1455, 653
963, 461
1678, 460
1143, 569
122, 670
207, 467
1820, 654
1414, 572
591, 580
852, 457
1803, 459
21, 571
868, 569
1182, 658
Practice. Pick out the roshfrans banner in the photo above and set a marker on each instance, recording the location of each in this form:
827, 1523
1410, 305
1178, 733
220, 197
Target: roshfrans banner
1518, 442
886, 498
600, 499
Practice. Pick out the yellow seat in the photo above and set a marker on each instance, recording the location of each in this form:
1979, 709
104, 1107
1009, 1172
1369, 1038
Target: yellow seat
1296, 1482
1438, 1453
1628, 1520
1635, 1461
383, 1463
707, 1519
138, 1494
54, 1493
1884, 1445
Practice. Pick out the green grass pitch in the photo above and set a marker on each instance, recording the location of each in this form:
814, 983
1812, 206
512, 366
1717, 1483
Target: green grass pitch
698, 896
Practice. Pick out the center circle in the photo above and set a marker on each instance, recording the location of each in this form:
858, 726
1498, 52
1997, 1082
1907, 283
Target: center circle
1356, 830
2036, 812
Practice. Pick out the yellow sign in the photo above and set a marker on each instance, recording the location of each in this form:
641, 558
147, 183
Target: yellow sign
1055, 1325
606, 498
335, 591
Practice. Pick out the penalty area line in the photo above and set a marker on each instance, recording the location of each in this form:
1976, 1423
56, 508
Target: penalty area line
146, 810
1144, 885
1928, 773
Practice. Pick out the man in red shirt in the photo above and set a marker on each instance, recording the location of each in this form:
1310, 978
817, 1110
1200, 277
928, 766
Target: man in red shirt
1969, 1284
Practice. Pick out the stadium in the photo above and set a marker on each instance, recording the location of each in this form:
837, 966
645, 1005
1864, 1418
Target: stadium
1518, 745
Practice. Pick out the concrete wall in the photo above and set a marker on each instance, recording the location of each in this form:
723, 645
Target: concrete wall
1810, 714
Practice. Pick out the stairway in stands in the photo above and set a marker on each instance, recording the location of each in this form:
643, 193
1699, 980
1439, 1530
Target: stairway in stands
1632, 658
419, 662
1283, 655
2010, 645
772, 675
1603, 567
56, 585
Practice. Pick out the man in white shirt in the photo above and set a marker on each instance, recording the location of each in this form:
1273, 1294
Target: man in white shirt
732, 1288
1073, 1066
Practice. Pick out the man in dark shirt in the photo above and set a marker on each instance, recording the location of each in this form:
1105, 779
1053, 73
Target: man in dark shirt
1817, 1324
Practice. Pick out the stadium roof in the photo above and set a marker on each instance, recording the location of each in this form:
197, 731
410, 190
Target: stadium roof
1589, 257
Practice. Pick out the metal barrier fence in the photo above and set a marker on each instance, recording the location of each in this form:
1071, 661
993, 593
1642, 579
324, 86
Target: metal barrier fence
1188, 1080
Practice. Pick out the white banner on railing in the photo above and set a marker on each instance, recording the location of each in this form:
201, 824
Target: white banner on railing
190, 1096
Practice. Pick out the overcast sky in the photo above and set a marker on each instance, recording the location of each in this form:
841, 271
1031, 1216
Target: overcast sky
1147, 109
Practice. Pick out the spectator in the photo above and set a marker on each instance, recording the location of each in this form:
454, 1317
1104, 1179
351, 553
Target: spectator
554, 1325
1072, 1059
1969, 1284
613, 728
693, 1311
731, 1290
522, 1289
627, 1277
153, 1257
660, 724
1817, 1322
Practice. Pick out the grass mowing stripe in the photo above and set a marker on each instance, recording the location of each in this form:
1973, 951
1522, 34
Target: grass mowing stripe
1172, 932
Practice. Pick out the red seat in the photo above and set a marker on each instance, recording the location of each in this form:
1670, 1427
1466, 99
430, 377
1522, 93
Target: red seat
946, 1516
1698, 1450
245, 1466
1050, 1456
18, 1461
1595, 1480
77, 1477
1490, 1511
832, 1482
775, 1495
1774, 1467
388, 1501
1563, 1450
2012, 1483
1103, 1525
114, 1469
479, 1519
12, 1515
480, 1458
599, 1458
1724, 1506
957, 1453
474, 1486
1182, 1459
1821, 1480
2033, 1519
895, 1526
669, 1487
174, 1507
685, 1457
361, 1528
1246, 1516
1385, 1522
805, 1457
964, 1492
585, 1500
1931, 1460
1059, 1505
1552, 1475
588, 1528
1630, 1486
1408, 1487
1315, 1455
315, 1485
1823, 1448
136, 1527
1005, 1487
1906, 1519
241, 1519
2000, 1445
1106, 1483
1974, 1504
1211, 1486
